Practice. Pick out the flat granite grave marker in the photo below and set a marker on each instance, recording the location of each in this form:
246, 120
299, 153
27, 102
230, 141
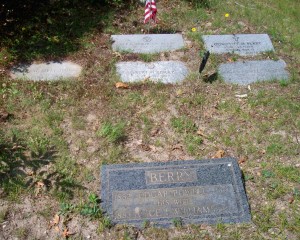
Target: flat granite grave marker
46, 71
199, 191
147, 43
247, 72
241, 44
162, 71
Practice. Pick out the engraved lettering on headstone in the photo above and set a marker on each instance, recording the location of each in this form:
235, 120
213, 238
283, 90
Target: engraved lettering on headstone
147, 39
147, 43
163, 71
170, 176
160, 192
242, 44
174, 202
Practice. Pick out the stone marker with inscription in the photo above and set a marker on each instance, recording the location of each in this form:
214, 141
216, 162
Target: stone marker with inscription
46, 71
162, 71
201, 191
247, 72
241, 44
147, 43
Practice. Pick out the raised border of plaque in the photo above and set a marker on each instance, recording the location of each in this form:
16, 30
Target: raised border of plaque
241, 44
147, 43
196, 191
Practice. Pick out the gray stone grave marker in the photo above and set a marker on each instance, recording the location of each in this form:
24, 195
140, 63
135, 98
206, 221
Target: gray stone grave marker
147, 43
46, 71
247, 72
199, 191
241, 44
162, 71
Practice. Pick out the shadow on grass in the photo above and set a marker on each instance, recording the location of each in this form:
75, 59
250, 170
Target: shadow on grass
210, 78
50, 29
19, 171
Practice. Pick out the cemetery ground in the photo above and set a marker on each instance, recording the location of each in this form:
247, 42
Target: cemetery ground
54, 136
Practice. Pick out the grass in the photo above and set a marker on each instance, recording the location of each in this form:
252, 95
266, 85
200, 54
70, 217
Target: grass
114, 133
53, 126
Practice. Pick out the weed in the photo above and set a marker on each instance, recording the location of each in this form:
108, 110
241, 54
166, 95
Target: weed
148, 57
3, 215
104, 223
263, 218
38, 143
183, 125
267, 173
177, 222
115, 133
192, 143
22, 232
66, 208
145, 224
127, 236
221, 227
91, 208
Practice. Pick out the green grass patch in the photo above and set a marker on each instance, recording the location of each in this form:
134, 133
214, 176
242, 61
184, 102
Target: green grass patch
114, 133
183, 125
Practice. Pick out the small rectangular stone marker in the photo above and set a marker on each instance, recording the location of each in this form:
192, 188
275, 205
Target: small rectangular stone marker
247, 72
147, 43
241, 44
200, 191
46, 71
162, 71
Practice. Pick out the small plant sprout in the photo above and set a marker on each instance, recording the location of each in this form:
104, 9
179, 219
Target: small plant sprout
177, 222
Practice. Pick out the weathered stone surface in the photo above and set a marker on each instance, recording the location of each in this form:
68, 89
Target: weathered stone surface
253, 71
163, 71
147, 43
201, 191
241, 44
46, 71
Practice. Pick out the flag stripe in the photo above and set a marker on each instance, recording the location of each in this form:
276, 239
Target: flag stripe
150, 11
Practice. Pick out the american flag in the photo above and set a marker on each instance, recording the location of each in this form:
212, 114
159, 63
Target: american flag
150, 11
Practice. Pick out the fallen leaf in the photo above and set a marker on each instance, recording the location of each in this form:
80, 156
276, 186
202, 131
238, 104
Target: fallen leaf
3, 116
177, 147
145, 147
117, 54
291, 200
201, 133
242, 160
219, 154
66, 233
30, 173
229, 60
40, 184
179, 92
57, 229
263, 151
154, 132
55, 221
122, 85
